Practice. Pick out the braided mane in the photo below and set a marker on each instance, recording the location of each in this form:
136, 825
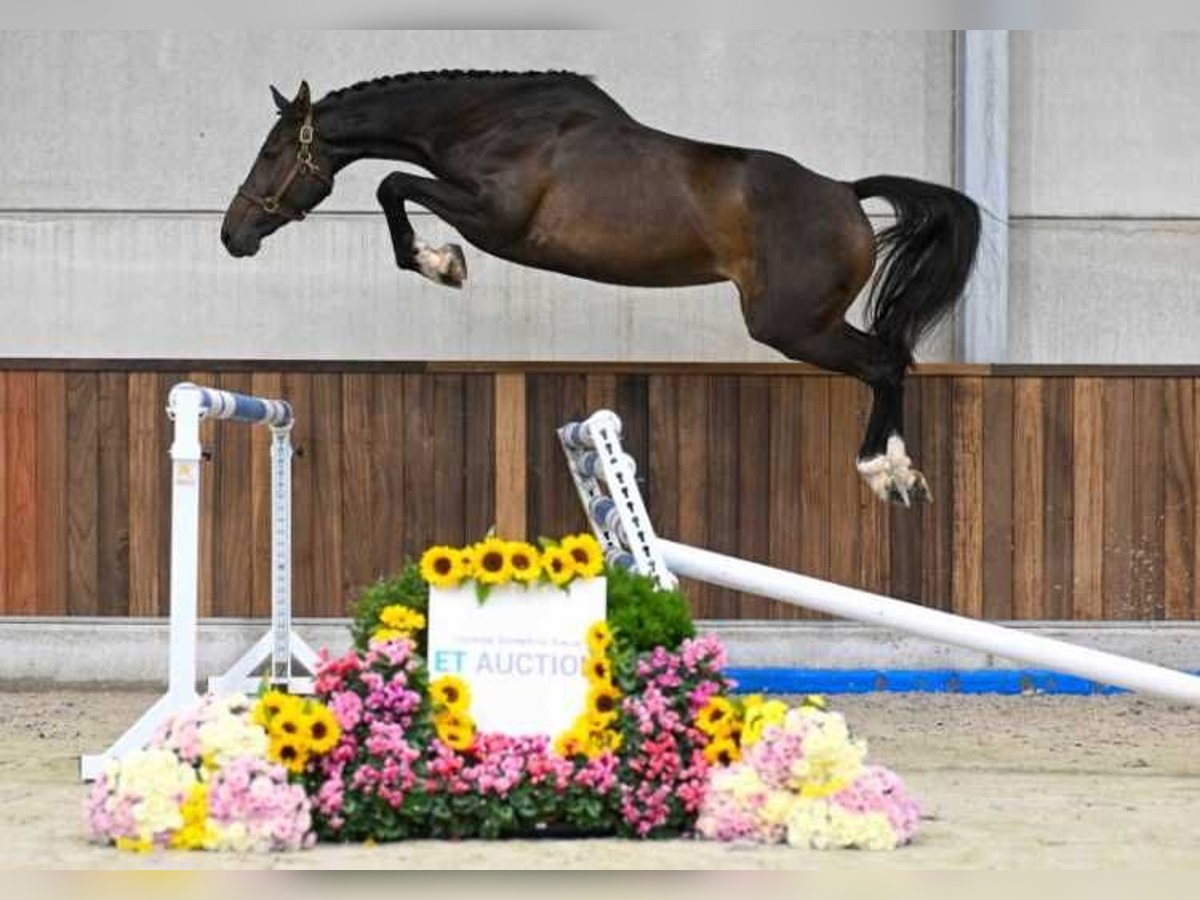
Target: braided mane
386, 81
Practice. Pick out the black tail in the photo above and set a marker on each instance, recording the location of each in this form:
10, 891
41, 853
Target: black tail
927, 257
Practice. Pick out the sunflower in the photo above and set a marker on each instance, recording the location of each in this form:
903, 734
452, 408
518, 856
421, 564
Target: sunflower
722, 752
289, 753
456, 732
558, 565
401, 618
467, 557
599, 638
570, 743
716, 718
442, 567
523, 561
492, 565
450, 693
321, 729
289, 725
603, 700
585, 552
270, 705
598, 670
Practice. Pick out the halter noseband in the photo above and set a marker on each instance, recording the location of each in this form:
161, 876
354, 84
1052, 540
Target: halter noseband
304, 165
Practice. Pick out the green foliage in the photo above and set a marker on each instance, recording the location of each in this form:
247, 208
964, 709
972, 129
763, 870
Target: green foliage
406, 588
642, 615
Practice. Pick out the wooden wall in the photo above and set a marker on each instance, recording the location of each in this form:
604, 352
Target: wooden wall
1059, 493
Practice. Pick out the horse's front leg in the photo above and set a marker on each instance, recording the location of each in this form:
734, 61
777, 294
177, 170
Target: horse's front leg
443, 265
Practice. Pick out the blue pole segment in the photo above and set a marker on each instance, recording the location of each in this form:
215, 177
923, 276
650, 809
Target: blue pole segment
218, 404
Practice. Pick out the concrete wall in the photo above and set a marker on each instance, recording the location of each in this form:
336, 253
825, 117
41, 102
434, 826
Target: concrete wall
1105, 196
122, 150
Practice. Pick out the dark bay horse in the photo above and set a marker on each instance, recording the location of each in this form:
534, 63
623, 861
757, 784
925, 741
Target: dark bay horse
547, 170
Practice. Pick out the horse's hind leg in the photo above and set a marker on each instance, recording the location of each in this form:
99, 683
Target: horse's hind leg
443, 265
882, 461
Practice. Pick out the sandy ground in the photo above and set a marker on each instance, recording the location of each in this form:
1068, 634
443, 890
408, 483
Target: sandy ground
1006, 782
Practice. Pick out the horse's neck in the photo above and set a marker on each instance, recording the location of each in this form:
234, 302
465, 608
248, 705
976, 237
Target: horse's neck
392, 125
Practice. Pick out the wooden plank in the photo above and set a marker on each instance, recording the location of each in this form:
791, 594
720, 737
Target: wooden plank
784, 439
52, 493
998, 487
511, 454
296, 388
1179, 511
966, 579
1119, 425
1029, 499
4, 517
601, 392
147, 443
388, 450
270, 386
1148, 540
419, 490
329, 587
814, 477
937, 517
21, 572
663, 458
1087, 514
846, 427
83, 490
233, 545
906, 527
693, 473
480, 438
753, 485
358, 508
113, 504
633, 405
449, 439
721, 487
1058, 479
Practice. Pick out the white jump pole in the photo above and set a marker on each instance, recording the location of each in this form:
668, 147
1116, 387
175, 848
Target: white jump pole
620, 521
187, 404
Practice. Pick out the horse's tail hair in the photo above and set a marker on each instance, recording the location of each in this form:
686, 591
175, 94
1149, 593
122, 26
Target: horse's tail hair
927, 256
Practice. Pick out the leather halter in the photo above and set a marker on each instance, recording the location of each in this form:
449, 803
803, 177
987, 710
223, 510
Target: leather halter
304, 164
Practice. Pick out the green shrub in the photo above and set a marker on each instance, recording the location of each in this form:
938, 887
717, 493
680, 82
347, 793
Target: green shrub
643, 616
406, 588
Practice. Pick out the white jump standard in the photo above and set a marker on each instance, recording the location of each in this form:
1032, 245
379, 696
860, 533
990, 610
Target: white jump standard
619, 518
187, 404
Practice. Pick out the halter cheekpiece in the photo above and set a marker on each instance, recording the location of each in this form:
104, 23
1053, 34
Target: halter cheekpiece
272, 204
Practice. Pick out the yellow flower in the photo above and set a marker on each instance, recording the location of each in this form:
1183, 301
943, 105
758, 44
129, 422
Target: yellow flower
599, 638
455, 731
722, 752
270, 705
558, 565
716, 718
467, 557
603, 701
321, 729
290, 753
135, 845
523, 561
383, 635
289, 725
450, 693
759, 716
401, 618
442, 567
492, 565
598, 670
815, 701
570, 743
194, 834
585, 551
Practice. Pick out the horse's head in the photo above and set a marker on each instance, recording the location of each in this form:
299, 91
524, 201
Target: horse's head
289, 177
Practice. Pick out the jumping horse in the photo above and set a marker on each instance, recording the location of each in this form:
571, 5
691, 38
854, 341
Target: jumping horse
545, 169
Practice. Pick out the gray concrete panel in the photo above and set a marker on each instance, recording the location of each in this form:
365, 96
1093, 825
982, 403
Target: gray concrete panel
1105, 124
172, 120
1105, 292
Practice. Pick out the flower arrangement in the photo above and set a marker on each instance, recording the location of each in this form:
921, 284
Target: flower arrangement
799, 777
213, 778
493, 562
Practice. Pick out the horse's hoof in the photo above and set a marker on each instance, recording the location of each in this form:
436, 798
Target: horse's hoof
454, 272
919, 489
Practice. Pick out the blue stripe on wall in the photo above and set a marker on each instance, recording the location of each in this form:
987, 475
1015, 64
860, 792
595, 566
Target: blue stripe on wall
932, 681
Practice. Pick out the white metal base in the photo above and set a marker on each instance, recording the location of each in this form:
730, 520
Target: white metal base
242, 677
139, 734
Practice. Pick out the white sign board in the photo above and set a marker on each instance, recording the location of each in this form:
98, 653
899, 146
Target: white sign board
522, 651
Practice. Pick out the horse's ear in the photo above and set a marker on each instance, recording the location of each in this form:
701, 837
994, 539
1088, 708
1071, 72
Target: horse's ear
303, 99
282, 103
